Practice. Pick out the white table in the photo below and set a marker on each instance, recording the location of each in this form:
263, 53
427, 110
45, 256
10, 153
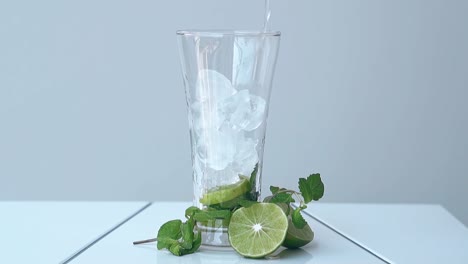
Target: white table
328, 247
399, 233
102, 232
51, 232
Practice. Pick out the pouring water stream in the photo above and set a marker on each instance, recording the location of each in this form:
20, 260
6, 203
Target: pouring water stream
266, 22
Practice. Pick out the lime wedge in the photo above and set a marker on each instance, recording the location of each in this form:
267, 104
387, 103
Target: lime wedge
258, 230
295, 237
226, 193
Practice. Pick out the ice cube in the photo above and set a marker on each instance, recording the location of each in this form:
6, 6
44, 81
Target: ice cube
212, 86
236, 102
256, 114
205, 116
219, 117
221, 177
246, 156
216, 147
243, 110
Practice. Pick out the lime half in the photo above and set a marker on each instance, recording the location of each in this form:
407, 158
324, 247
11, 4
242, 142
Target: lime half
226, 193
258, 230
296, 238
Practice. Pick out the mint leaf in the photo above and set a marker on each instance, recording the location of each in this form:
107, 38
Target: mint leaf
196, 243
169, 232
274, 189
282, 198
311, 188
165, 242
189, 212
176, 249
187, 234
178, 237
297, 219
203, 216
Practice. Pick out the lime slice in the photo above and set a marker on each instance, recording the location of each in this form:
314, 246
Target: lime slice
295, 237
258, 230
226, 193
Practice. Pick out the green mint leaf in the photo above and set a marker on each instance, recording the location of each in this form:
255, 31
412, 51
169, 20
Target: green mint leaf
196, 242
189, 212
176, 249
165, 242
179, 238
203, 216
187, 234
282, 198
297, 219
168, 232
274, 189
311, 188
179, 250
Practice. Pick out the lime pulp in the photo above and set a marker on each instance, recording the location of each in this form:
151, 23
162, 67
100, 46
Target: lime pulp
258, 230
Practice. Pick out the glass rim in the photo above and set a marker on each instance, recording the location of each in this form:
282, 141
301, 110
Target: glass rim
227, 32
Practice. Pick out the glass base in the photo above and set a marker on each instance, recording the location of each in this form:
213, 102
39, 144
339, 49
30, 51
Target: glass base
214, 234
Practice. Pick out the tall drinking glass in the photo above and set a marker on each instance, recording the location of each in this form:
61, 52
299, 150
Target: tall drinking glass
228, 78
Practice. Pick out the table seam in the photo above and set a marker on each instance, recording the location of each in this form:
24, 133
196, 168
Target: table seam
368, 250
96, 240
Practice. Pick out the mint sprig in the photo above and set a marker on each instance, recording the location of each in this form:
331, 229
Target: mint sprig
282, 197
312, 188
181, 238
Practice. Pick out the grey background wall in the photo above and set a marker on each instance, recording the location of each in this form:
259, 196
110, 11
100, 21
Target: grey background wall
372, 94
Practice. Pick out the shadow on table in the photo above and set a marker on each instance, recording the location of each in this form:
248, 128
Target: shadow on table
212, 255
298, 255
